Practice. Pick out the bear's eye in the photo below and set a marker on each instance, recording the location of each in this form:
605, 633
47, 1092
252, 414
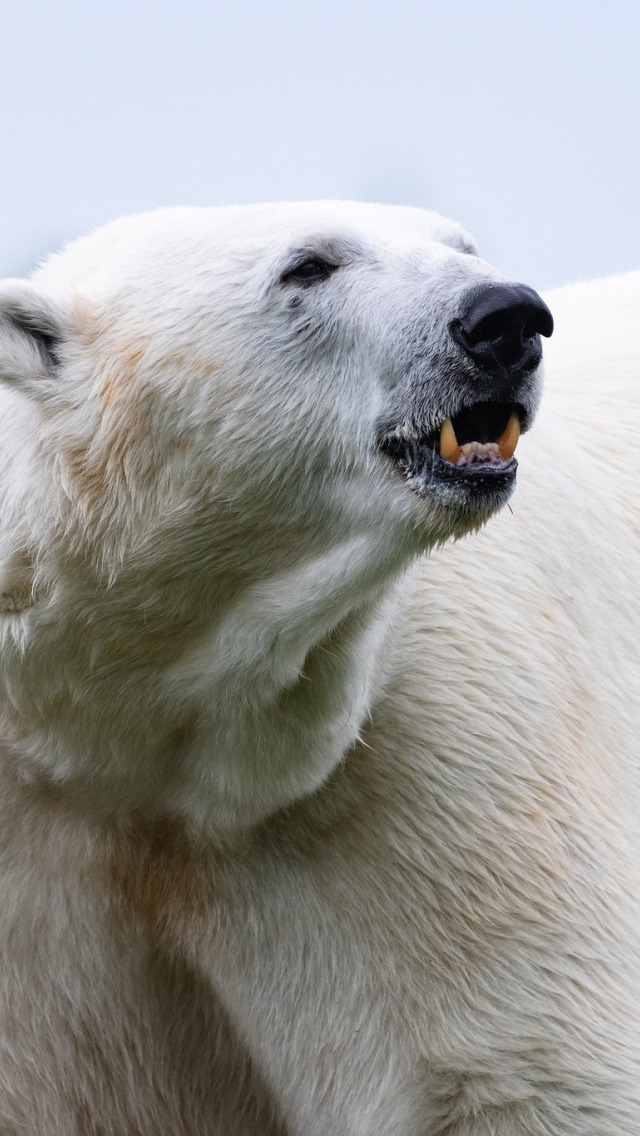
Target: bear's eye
311, 270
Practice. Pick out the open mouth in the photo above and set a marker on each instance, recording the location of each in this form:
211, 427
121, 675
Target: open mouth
473, 451
484, 432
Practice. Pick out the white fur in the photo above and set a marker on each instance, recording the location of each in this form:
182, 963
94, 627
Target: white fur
302, 832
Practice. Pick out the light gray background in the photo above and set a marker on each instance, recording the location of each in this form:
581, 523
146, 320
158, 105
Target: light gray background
521, 119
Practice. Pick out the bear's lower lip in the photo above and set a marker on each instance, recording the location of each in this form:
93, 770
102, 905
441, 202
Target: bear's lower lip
477, 484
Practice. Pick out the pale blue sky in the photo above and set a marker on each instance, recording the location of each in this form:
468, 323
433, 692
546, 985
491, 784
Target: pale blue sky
520, 119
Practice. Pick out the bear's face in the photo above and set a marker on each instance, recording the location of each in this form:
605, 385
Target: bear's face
231, 429
293, 364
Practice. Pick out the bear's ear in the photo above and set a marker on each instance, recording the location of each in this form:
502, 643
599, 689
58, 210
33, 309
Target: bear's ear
33, 327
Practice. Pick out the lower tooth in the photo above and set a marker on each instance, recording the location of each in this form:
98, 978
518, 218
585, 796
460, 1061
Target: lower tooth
508, 441
449, 448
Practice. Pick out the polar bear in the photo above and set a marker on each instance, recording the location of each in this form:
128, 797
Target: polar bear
320, 807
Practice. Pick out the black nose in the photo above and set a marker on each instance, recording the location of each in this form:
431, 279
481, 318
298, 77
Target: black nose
500, 327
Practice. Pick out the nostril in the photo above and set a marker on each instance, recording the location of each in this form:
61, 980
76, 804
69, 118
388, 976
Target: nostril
501, 324
489, 328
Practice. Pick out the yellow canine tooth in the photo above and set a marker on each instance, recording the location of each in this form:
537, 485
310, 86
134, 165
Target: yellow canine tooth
508, 441
449, 448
